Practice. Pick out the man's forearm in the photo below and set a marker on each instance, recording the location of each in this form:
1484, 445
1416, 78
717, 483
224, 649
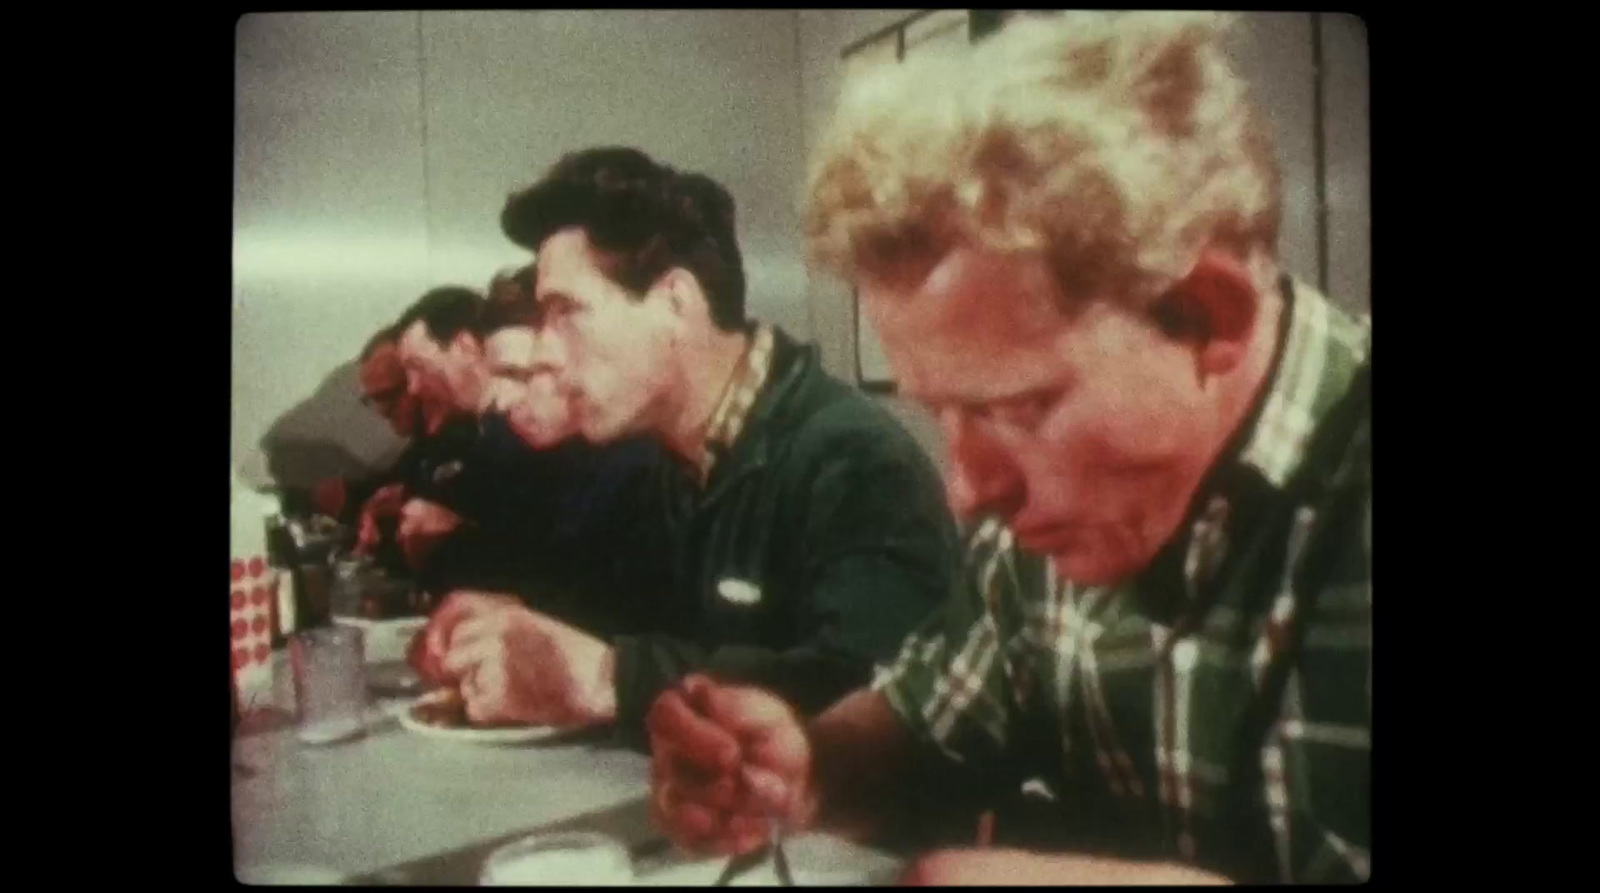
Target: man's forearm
1019, 868
807, 678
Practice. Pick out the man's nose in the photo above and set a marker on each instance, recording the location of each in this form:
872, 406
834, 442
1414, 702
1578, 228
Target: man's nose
982, 477
555, 353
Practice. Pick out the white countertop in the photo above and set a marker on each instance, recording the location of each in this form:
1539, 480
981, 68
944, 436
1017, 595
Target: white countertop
318, 814
393, 796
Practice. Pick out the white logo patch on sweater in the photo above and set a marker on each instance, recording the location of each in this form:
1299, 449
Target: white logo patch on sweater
447, 471
739, 592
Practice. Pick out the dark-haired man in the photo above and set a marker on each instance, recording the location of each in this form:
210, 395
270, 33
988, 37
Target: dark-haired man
805, 528
550, 518
442, 361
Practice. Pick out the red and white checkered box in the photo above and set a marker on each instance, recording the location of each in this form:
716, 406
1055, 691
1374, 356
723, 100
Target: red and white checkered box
252, 595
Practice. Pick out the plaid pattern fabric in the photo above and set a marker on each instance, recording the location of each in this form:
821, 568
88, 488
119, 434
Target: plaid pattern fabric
1217, 708
728, 419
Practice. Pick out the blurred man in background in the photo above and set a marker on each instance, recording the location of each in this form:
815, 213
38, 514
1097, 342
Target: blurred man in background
554, 524
443, 362
378, 497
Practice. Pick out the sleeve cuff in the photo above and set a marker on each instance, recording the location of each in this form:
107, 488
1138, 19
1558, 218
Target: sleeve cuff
630, 711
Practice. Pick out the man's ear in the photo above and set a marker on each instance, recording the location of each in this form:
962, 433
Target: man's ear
682, 292
1213, 309
467, 344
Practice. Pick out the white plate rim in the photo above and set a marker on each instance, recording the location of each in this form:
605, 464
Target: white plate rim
472, 736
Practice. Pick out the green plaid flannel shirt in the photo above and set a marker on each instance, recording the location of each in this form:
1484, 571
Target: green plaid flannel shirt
1216, 709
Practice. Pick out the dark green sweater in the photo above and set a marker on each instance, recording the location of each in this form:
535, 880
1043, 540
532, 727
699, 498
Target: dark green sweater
820, 540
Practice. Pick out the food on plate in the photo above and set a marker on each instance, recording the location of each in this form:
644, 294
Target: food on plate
445, 709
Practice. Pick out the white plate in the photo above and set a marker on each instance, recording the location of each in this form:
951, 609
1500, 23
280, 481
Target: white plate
510, 735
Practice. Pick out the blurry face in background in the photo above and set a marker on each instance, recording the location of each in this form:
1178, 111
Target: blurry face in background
439, 376
617, 349
524, 388
384, 389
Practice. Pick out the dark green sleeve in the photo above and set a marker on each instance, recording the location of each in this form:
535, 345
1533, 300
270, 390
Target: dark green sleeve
875, 550
879, 551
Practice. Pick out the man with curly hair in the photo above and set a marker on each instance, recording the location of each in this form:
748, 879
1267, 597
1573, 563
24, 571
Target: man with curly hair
1067, 239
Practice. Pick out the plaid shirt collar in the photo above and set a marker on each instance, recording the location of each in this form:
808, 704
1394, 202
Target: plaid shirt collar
1321, 349
1150, 681
733, 409
1319, 352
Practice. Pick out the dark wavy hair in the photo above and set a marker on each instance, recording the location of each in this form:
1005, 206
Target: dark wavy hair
386, 335
511, 303
445, 312
643, 218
